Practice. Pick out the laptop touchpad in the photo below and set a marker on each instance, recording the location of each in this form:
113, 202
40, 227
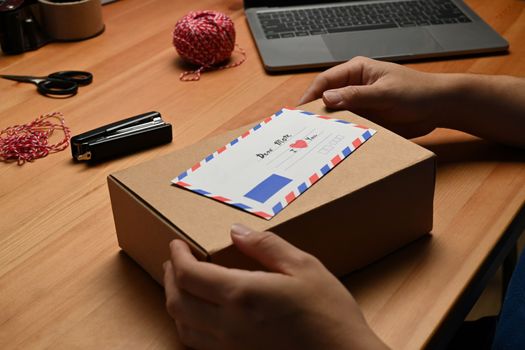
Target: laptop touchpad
381, 43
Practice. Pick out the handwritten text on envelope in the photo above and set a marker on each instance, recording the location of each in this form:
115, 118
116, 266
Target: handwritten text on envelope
270, 165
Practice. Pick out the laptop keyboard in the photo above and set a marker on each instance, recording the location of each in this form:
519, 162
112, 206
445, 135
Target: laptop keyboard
347, 18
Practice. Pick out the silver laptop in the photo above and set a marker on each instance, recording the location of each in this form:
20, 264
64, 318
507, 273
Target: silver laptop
297, 34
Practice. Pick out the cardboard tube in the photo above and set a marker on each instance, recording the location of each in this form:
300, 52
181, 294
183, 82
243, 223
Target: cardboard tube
74, 20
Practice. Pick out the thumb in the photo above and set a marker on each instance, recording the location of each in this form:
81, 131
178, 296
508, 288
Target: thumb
354, 97
270, 250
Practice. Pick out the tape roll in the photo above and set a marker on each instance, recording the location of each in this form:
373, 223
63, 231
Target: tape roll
73, 20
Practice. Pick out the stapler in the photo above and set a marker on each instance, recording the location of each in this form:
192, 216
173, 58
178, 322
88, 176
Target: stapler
122, 137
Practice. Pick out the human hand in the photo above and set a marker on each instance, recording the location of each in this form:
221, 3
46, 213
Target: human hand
298, 304
401, 99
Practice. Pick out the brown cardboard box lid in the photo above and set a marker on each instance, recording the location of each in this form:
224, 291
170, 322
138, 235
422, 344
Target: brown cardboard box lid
207, 222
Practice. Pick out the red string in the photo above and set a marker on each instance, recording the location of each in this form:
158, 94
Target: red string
25, 143
205, 39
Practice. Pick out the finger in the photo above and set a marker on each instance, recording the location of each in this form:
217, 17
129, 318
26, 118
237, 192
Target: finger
204, 280
336, 77
354, 98
170, 288
270, 250
195, 338
187, 308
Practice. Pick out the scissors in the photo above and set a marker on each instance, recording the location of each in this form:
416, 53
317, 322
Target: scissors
58, 83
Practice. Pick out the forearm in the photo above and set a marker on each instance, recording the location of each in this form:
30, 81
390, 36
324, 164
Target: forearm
491, 107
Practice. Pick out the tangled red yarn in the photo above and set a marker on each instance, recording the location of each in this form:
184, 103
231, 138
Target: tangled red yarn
25, 143
205, 39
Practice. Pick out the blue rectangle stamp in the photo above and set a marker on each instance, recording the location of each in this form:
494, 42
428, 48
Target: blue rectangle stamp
267, 188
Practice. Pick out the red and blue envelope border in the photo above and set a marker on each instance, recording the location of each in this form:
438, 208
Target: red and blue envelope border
290, 197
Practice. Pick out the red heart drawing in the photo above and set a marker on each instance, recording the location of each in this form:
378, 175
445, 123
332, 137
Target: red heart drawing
299, 144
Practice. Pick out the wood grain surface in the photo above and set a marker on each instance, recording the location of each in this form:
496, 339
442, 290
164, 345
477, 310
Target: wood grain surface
65, 285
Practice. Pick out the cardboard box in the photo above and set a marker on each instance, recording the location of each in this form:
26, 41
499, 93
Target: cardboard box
375, 201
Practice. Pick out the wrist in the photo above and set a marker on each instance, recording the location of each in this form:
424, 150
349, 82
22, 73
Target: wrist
448, 98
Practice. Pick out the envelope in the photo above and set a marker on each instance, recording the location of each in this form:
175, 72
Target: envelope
270, 165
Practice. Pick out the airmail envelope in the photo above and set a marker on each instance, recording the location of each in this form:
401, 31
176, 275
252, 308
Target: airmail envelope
270, 165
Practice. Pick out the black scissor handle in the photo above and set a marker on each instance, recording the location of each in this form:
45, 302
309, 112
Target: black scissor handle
52, 86
77, 76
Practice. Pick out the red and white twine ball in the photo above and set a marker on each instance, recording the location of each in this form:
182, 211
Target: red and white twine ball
207, 40
25, 143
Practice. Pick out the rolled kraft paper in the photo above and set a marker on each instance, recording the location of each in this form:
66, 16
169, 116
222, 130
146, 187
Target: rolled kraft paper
74, 20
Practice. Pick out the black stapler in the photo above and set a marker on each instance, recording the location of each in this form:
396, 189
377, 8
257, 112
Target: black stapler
122, 137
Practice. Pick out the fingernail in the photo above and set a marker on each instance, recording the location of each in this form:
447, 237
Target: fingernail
332, 97
241, 230
173, 244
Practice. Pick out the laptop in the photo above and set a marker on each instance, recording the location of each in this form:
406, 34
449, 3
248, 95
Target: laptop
299, 34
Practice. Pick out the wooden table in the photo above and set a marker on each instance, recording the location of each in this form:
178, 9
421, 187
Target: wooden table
63, 282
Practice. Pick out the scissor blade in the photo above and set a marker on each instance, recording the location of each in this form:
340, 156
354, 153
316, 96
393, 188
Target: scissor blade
21, 78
